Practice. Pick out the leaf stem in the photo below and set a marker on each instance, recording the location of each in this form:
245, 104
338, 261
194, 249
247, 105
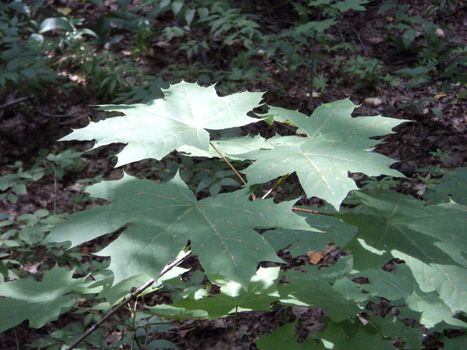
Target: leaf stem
228, 163
278, 183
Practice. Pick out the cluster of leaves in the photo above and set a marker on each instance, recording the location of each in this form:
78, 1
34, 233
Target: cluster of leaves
21, 60
204, 32
434, 54
234, 232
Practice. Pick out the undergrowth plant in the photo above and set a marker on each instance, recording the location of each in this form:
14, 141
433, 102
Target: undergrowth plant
400, 252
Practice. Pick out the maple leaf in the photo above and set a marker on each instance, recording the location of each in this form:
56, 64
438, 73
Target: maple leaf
284, 337
355, 335
449, 281
180, 118
260, 293
162, 218
391, 221
303, 288
347, 5
453, 185
299, 242
38, 302
234, 148
432, 309
334, 144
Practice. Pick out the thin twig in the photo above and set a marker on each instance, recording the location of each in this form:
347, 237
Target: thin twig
16, 340
277, 184
51, 115
364, 47
229, 164
18, 100
310, 211
124, 302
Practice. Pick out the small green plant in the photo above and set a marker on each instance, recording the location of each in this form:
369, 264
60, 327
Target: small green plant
23, 65
14, 184
428, 43
363, 71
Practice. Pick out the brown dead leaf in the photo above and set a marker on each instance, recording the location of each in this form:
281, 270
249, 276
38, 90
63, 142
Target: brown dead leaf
315, 257
440, 95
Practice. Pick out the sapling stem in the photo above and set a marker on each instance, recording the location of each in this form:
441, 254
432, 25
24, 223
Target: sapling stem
124, 302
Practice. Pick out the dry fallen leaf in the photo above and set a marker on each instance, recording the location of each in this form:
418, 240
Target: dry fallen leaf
440, 33
440, 95
315, 257
64, 10
373, 101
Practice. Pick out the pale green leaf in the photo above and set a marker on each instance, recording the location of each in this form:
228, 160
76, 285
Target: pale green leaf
334, 145
449, 281
180, 118
260, 293
433, 310
56, 23
232, 148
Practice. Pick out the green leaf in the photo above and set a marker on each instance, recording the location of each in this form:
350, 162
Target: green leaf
350, 290
334, 144
260, 293
408, 36
56, 23
316, 292
390, 285
162, 218
347, 5
298, 243
392, 221
338, 270
318, 26
38, 302
394, 328
284, 338
453, 185
178, 313
180, 118
455, 343
232, 148
433, 310
351, 334
449, 281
